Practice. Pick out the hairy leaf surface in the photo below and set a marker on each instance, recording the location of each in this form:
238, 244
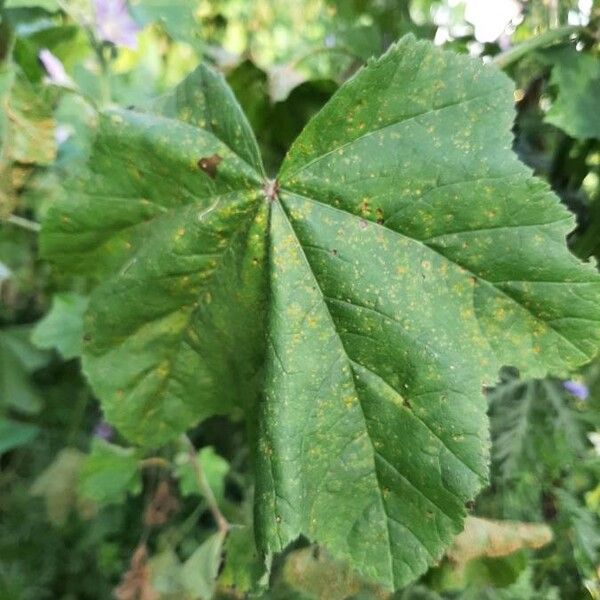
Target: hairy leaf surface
352, 311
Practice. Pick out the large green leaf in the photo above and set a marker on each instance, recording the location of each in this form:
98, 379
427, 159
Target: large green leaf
352, 310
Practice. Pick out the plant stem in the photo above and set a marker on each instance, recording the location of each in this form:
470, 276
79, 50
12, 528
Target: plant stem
105, 91
553, 36
325, 50
205, 488
154, 461
99, 51
24, 223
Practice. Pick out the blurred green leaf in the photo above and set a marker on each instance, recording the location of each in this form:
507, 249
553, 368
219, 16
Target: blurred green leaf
62, 327
57, 484
522, 589
244, 569
537, 433
200, 570
18, 360
109, 473
576, 78
215, 469
14, 434
584, 532
30, 133
49, 5
178, 17
194, 579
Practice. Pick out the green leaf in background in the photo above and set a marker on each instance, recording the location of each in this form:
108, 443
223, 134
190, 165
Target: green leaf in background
109, 473
18, 361
178, 17
190, 580
30, 132
62, 327
215, 469
244, 569
523, 589
200, 570
57, 484
6, 82
538, 435
14, 434
352, 310
576, 77
584, 532
49, 5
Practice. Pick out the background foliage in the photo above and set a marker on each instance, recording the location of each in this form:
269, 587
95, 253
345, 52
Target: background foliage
82, 514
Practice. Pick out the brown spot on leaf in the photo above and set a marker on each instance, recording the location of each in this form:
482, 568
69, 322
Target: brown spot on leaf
209, 164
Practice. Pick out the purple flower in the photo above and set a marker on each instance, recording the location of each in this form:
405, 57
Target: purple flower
578, 389
103, 431
114, 24
54, 68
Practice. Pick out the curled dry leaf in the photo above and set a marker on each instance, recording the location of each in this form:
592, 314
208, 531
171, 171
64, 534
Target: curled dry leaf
483, 537
136, 582
162, 506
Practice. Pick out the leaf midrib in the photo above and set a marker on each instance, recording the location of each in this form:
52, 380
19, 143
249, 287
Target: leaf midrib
391, 577
375, 453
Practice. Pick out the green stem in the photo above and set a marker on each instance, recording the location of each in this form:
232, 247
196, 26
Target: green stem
204, 487
24, 223
325, 50
154, 461
506, 59
105, 91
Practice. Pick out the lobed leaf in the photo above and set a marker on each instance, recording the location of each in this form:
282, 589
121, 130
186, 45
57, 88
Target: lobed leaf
351, 310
